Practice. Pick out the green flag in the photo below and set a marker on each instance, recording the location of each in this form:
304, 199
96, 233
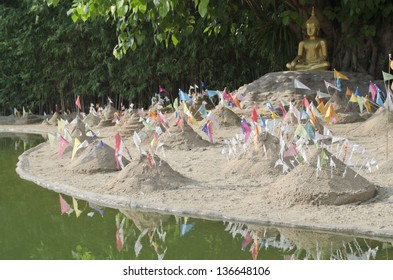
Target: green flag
387, 76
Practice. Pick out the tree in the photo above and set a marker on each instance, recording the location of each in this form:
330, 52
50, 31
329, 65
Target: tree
358, 31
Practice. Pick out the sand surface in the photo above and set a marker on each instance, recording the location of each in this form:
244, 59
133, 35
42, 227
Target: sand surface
190, 176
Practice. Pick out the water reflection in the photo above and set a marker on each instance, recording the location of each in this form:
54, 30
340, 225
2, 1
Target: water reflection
34, 228
291, 244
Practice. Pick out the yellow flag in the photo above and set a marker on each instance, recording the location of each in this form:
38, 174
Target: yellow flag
321, 108
367, 104
77, 211
76, 145
353, 98
337, 74
191, 118
273, 115
176, 104
328, 114
361, 103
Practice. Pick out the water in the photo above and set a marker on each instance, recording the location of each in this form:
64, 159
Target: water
32, 228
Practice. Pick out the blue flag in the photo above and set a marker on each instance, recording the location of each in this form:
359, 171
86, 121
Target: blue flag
183, 96
357, 92
212, 93
338, 84
379, 99
263, 121
309, 130
202, 111
383, 95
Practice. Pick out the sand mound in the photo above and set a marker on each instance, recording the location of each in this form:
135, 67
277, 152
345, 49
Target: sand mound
92, 120
53, 120
7, 120
138, 176
375, 125
29, 118
303, 186
255, 162
95, 159
225, 117
108, 112
174, 138
131, 124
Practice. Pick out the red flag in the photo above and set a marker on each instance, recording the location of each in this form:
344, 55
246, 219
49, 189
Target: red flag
254, 114
78, 103
305, 102
119, 164
120, 236
149, 159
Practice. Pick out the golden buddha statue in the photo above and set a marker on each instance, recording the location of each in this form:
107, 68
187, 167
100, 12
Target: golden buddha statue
312, 53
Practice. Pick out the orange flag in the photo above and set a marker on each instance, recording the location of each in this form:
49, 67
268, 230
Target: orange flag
349, 92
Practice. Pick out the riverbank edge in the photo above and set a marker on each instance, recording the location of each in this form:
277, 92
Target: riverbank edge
123, 203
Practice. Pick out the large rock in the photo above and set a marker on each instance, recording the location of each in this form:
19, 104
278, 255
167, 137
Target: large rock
278, 86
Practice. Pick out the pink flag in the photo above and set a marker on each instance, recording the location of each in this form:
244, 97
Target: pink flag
373, 90
161, 120
247, 240
161, 89
179, 122
78, 103
254, 114
284, 113
209, 129
64, 206
291, 152
227, 96
246, 129
63, 144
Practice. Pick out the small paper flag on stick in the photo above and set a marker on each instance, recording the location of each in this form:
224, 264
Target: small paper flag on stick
64, 206
75, 204
337, 74
78, 102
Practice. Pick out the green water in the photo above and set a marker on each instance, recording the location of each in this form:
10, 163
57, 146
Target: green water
32, 228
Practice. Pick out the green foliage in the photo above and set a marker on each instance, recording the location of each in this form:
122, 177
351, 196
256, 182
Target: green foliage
82, 254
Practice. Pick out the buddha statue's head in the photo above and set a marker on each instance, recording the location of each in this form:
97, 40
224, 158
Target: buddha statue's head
312, 25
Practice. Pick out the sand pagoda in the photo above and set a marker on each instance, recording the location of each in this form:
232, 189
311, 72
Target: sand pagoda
187, 139
329, 186
225, 117
97, 157
108, 116
149, 173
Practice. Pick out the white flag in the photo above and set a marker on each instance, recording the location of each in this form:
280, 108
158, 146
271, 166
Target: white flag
300, 85
321, 94
328, 85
